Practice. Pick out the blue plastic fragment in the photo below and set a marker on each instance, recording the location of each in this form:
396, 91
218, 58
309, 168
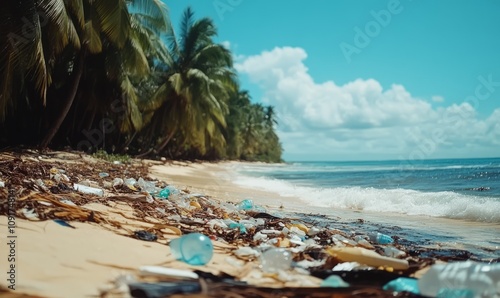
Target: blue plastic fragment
246, 205
235, 225
63, 223
403, 284
456, 293
334, 281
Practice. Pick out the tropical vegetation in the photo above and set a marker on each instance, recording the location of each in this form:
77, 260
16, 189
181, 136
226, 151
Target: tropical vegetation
113, 75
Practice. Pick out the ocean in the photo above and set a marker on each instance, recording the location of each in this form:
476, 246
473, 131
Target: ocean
452, 203
467, 189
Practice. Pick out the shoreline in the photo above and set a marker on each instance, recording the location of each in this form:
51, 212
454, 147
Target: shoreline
101, 248
214, 179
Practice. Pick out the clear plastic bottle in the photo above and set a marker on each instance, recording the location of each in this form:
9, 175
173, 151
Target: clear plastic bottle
380, 238
194, 249
461, 279
276, 259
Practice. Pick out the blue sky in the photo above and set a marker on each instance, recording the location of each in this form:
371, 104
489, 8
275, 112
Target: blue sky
358, 80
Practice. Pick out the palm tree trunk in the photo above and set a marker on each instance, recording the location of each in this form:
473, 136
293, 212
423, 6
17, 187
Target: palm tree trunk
162, 145
69, 101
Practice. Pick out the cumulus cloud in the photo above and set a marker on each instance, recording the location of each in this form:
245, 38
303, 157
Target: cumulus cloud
437, 98
360, 117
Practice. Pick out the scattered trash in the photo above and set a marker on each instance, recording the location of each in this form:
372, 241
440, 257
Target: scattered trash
170, 272
393, 252
2, 184
145, 235
380, 238
117, 182
88, 190
103, 175
130, 183
67, 202
334, 281
164, 193
246, 205
147, 186
246, 252
276, 259
30, 213
403, 284
461, 279
235, 225
194, 249
367, 257
63, 223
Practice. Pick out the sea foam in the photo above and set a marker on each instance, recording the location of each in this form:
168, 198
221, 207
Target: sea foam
403, 201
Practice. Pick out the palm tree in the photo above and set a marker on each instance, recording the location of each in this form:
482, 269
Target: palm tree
124, 39
192, 101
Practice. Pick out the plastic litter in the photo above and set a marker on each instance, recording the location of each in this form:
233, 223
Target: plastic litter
246, 252
164, 271
334, 281
88, 190
63, 223
461, 279
67, 202
2, 184
380, 238
147, 186
276, 259
145, 235
363, 242
403, 284
103, 175
117, 182
246, 204
164, 193
367, 257
235, 225
29, 213
194, 249
393, 252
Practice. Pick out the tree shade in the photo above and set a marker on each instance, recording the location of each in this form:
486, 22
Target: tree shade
114, 75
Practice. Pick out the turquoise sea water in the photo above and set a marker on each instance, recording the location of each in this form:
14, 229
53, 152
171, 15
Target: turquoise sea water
467, 189
448, 203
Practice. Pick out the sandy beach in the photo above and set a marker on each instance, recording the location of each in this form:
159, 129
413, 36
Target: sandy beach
56, 261
88, 259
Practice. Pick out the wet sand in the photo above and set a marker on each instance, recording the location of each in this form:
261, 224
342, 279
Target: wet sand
215, 179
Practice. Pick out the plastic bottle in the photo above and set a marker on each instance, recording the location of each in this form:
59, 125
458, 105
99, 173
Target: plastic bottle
380, 238
276, 259
246, 205
461, 279
194, 249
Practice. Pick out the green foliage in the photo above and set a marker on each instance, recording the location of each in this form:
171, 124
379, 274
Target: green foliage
141, 89
101, 154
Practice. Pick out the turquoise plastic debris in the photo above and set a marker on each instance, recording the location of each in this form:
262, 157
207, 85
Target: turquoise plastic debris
456, 293
164, 193
194, 249
246, 204
380, 238
235, 225
334, 281
403, 284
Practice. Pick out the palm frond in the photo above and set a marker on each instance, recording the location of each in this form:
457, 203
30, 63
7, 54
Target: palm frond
114, 19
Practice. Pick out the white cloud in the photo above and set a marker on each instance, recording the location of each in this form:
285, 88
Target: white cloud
437, 98
360, 119
226, 44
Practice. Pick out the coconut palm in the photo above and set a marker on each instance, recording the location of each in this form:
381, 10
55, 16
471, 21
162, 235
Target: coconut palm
192, 102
